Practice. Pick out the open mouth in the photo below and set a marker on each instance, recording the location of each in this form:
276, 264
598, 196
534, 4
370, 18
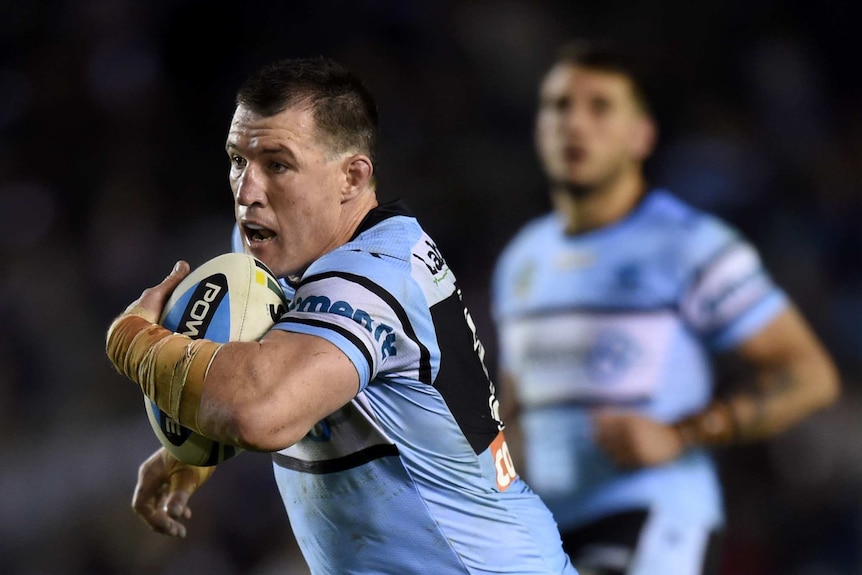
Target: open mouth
575, 153
256, 233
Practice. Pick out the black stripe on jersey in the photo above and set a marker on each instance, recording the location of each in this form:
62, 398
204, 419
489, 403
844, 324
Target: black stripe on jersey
462, 380
657, 309
700, 272
344, 463
424, 354
339, 330
588, 402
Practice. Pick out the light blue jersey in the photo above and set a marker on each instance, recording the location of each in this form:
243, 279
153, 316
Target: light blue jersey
624, 316
413, 476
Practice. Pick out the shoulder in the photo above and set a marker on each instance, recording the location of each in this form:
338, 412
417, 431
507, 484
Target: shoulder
696, 233
384, 246
394, 260
534, 232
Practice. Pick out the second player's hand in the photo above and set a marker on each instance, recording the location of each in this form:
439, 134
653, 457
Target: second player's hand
162, 494
633, 440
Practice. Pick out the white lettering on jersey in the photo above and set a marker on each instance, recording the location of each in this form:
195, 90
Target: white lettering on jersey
503, 463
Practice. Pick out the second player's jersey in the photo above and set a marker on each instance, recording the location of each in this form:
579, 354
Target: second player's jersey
624, 316
412, 476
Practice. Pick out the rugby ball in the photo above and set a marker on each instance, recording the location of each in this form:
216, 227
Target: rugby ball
232, 297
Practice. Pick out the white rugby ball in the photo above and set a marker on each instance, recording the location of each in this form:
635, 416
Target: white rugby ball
232, 297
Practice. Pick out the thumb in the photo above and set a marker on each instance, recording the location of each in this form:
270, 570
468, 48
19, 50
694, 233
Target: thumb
181, 269
152, 299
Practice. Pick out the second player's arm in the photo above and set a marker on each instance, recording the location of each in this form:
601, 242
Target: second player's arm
794, 376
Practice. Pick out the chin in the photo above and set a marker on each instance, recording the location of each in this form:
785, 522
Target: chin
262, 253
575, 188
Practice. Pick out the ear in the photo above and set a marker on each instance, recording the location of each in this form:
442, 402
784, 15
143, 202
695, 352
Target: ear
358, 171
644, 135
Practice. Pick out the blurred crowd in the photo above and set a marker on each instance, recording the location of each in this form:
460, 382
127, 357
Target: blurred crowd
113, 115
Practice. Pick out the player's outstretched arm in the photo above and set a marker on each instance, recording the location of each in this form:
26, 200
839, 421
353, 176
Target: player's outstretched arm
163, 490
794, 377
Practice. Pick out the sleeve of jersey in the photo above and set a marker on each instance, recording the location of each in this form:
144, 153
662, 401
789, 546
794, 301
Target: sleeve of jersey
236, 244
349, 315
731, 296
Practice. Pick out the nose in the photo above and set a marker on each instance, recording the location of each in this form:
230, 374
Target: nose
575, 118
250, 187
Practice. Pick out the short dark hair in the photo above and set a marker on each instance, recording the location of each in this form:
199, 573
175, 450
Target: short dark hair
608, 56
342, 106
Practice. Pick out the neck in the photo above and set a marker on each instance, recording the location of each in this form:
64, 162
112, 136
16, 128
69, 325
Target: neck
587, 209
359, 208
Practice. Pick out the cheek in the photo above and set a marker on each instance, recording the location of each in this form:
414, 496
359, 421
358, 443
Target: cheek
310, 213
612, 138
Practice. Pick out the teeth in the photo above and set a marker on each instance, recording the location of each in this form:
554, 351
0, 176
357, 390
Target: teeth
258, 233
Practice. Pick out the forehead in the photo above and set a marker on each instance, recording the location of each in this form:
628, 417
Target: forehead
292, 126
570, 80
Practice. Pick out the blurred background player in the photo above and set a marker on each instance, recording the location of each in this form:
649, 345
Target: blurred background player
610, 311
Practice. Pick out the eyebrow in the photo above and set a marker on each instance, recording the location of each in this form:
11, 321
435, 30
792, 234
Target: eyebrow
265, 151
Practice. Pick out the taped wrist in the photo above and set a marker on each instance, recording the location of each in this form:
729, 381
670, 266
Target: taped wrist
170, 368
715, 426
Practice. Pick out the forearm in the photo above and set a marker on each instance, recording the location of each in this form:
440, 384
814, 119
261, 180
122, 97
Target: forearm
170, 368
174, 371
782, 396
262, 395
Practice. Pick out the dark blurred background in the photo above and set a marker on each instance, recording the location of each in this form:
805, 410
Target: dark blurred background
113, 115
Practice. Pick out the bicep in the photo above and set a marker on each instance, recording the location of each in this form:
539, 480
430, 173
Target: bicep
794, 373
785, 339
313, 374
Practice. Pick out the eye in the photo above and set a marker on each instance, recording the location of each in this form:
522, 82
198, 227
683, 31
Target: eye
278, 167
238, 161
600, 106
559, 105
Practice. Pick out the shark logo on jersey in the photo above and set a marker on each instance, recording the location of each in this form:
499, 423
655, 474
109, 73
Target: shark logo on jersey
610, 356
629, 277
384, 334
321, 431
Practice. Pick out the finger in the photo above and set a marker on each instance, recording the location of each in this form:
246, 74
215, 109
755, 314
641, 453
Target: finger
153, 513
177, 505
160, 522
